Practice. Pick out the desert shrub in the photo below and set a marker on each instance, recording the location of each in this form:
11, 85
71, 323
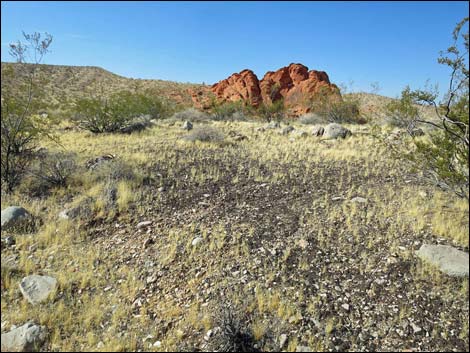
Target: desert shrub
401, 112
205, 134
138, 124
48, 171
344, 111
114, 170
311, 119
272, 111
116, 113
234, 335
444, 154
190, 114
229, 111
21, 123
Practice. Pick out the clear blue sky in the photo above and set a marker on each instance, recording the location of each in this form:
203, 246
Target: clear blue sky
392, 43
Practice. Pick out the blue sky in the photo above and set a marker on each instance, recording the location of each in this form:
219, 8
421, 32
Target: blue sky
356, 43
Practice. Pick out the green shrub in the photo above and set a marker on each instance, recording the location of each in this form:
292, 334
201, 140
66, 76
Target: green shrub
116, 113
272, 111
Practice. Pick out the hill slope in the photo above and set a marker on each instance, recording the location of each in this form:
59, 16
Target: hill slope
64, 84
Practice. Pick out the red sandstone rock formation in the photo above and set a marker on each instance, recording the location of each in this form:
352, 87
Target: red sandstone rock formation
294, 83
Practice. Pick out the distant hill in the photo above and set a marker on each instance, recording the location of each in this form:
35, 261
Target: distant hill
64, 84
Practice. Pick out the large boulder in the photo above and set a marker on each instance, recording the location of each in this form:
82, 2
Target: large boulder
26, 338
334, 131
448, 259
14, 216
37, 288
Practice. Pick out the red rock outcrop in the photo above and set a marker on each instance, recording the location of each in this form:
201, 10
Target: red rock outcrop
294, 83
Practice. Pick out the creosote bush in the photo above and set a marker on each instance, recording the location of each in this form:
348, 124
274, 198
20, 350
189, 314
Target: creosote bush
118, 113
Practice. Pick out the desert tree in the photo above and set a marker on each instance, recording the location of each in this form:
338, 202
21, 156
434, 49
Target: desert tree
21, 103
444, 153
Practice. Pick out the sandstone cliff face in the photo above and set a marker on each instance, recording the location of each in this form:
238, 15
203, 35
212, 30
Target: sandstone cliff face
294, 83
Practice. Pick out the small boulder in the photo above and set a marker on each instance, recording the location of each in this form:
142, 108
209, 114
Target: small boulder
318, 131
448, 259
416, 132
301, 133
26, 338
187, 125
14, 216
37, 288
334, 131
286, 130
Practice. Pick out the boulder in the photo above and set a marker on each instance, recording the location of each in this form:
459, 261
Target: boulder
318, 131
187, 125
286, 130
448, 259
37, 288
14, 216
334, 131
273, 125
26, 338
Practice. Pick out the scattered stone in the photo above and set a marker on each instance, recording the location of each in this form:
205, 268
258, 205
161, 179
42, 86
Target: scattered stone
282, 340
345, 307
143, 224
100, 345
8, 241
334, 131
26, 338
450, 260
359, 199
318, 131
260, 129
187, 125
273, 125
303, 349
37, 288
287, 129
196, 241
337, 198
416, 328
157, 344
14, 216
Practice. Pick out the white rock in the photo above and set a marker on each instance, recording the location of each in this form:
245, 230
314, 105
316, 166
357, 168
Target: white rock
282, 340
37, 288
448, 259
143, 224
196, 241
26, 338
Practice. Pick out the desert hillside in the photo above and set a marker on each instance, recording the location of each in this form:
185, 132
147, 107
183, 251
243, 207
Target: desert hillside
64, 84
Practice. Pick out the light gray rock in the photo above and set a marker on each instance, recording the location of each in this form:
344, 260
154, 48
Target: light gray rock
187, 125
334, 131
143, 224
359, 199
282, 340
287, 129
273, 125
196, 241
14, 216
318, 131
303, 349
26, 338
448, 259
37, 288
